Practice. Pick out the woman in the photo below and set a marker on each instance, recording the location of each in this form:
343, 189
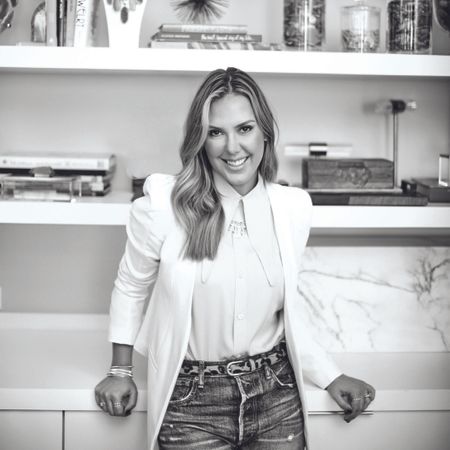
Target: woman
220, 244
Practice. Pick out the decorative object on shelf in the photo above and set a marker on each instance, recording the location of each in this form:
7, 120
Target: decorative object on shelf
395, 107
39, 24
6, 13
347, 173
360, 27
304, 24
409, 26
199, 11
442, 14
444, 170
318, 149
124, 20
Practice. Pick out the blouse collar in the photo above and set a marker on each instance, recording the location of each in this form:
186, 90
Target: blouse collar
258, 217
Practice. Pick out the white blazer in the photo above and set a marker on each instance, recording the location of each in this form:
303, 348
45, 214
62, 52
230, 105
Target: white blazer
162, 332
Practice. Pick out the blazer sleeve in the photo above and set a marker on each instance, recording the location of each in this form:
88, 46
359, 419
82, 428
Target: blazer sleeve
317, 363
138, 268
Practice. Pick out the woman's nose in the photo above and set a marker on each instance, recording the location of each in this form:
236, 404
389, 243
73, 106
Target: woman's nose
232, 144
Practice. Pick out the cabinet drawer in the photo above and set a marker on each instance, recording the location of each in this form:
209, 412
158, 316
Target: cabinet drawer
415, 430
25, 430
88, 430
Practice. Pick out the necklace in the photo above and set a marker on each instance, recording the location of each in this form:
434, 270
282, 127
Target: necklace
237, 228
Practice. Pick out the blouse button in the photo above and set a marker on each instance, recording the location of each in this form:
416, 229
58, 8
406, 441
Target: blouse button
240, 316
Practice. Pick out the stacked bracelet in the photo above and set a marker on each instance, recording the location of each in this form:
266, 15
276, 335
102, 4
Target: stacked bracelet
120, 371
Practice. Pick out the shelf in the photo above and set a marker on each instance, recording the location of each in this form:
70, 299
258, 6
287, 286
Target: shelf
113, 209
97, 59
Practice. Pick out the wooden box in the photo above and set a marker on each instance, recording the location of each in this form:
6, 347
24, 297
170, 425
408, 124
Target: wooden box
346, 173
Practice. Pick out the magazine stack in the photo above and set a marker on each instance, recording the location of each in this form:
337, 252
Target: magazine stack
55, 176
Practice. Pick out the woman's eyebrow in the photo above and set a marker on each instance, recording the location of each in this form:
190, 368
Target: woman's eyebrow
246, 122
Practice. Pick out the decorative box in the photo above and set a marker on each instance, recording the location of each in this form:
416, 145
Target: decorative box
348, 173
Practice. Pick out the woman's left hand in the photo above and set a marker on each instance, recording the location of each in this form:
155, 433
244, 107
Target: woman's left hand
352, 395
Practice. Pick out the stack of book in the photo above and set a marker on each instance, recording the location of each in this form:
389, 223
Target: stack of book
71, 23
55, 176
209, 36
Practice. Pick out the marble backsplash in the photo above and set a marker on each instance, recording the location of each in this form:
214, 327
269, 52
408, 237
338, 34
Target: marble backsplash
382, 299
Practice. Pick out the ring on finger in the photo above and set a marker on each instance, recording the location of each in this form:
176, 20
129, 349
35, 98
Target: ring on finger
102, 404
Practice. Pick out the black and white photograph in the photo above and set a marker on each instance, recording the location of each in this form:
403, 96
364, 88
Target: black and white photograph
225, 224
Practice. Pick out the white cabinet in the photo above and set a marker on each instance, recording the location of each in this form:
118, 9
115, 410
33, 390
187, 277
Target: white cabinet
88, 430
383, 430
31, 430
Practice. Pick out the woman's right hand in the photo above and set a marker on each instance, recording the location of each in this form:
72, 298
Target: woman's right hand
116, 395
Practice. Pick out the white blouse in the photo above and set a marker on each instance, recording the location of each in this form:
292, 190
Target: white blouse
237, 305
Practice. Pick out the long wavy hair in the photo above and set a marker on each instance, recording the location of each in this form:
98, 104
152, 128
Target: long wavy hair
195, 199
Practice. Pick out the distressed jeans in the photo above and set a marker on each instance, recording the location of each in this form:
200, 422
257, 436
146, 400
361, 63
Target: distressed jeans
260, 410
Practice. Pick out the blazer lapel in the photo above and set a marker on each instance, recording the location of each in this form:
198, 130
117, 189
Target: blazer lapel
283, 233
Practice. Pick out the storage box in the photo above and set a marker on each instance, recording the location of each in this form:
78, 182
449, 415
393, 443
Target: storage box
348, 173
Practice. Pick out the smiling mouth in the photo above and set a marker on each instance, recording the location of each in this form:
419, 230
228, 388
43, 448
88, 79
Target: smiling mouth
235, 162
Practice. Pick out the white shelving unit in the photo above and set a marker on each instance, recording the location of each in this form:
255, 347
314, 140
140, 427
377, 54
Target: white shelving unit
113, 209
57, 59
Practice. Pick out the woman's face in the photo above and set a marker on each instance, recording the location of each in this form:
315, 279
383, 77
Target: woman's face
235, 143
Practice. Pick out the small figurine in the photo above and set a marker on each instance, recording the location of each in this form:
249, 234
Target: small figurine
6, 13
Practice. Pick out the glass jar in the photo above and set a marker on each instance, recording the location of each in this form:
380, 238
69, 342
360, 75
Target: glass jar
442, 13
304, 24
360, 27
409, 26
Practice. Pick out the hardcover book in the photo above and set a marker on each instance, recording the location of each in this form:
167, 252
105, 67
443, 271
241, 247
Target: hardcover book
61, 161
51, 12
206, 37
85, 22
202, 28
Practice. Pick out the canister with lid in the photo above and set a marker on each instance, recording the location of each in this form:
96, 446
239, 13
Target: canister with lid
360, 27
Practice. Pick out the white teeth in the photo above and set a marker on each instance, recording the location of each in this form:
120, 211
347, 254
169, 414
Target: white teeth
237, 162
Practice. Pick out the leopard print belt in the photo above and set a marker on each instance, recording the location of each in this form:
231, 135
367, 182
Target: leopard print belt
235, 367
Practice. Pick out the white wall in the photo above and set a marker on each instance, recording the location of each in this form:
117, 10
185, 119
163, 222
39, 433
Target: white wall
140, 118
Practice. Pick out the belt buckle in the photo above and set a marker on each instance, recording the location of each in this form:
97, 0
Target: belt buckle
243, 369
229, 369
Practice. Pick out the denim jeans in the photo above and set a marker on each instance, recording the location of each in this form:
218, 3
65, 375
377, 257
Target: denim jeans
260, 410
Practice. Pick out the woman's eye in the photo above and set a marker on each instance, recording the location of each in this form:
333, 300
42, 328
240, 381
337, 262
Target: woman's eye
246, 128
214, 133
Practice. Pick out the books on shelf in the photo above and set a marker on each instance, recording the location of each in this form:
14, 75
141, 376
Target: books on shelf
216, 45
202, 28
71, 23
58, 161
40, 175
208, 36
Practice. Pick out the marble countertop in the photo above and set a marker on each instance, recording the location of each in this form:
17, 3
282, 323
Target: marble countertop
54, 361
